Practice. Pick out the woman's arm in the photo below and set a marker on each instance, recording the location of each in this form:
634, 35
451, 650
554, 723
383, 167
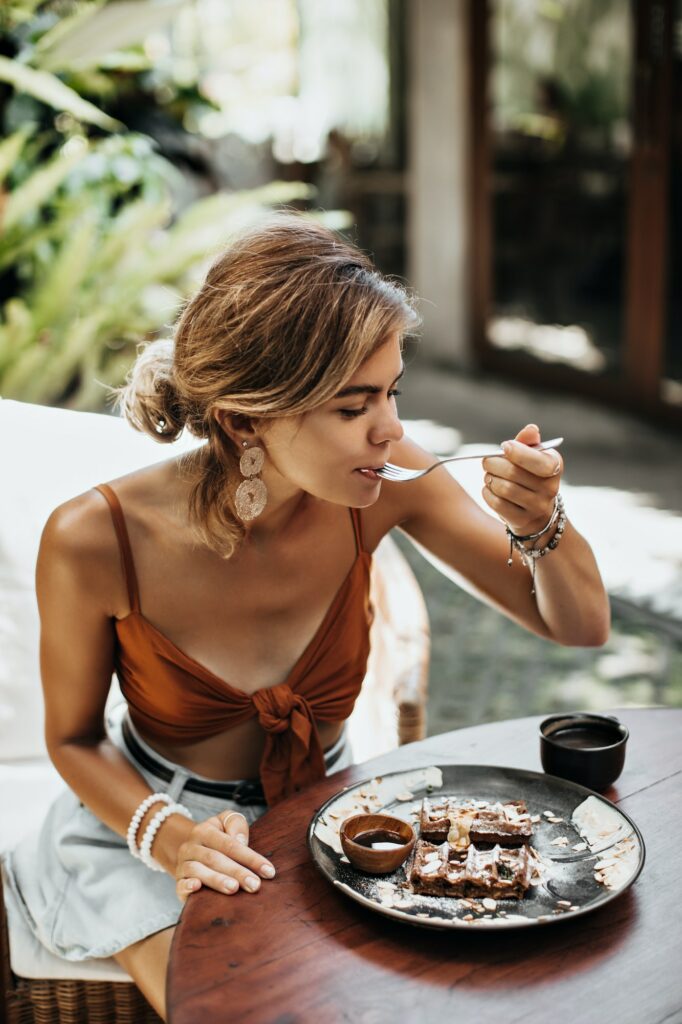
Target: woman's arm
570, 605
77, 579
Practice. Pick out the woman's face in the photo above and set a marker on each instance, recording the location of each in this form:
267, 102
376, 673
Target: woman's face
332, 451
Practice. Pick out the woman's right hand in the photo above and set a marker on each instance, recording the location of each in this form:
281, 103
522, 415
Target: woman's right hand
216, 854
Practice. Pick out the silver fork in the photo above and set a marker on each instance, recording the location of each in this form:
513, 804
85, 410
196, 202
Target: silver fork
401, 475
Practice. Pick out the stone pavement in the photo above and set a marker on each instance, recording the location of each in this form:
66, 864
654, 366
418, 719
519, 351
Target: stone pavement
623, 490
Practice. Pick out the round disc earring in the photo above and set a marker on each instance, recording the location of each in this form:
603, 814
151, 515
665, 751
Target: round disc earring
252, 494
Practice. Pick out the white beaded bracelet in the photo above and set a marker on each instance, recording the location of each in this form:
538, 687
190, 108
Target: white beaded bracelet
151, 830
136, 820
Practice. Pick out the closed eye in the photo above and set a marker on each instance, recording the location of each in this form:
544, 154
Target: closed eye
351, 414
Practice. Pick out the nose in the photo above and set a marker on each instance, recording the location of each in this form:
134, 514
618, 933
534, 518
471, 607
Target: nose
388, 427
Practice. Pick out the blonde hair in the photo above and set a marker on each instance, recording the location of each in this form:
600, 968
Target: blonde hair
284, 318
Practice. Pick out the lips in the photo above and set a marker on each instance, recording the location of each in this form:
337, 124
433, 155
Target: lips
370, 472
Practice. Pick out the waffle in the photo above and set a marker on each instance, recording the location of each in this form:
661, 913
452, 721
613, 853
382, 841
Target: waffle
462, 822
500, 873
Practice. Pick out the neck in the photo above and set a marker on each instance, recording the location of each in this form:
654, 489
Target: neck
277, 516
285, 503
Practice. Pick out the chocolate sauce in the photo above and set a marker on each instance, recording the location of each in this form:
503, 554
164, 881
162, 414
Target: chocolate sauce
379, 839
585, 736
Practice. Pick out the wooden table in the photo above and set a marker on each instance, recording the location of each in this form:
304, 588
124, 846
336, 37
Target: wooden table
301, 952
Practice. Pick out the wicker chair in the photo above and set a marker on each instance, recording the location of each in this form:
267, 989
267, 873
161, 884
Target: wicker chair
391, 710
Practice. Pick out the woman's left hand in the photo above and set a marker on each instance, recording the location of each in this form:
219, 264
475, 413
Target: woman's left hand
520, 486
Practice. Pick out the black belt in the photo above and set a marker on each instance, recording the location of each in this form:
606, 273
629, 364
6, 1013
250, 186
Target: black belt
246, 792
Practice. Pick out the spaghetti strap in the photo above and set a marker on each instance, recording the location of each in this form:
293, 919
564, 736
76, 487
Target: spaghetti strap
123, 544
357, 529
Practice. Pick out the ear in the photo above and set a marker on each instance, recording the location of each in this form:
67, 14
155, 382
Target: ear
236, 426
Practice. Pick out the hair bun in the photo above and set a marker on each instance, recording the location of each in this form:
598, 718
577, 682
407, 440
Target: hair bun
149, 399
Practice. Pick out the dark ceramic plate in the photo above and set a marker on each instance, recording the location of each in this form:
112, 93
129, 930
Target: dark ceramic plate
569, 887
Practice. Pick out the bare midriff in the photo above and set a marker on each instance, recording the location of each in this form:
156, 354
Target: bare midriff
231, 755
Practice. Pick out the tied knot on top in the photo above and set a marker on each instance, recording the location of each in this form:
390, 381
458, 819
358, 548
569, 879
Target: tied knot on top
277, 705
293, 756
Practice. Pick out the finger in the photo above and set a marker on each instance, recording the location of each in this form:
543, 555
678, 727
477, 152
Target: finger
546, 464
503, 469
530, 434
184, 887
223, 873
208, 877
523, 498
235, 825
230, 857
558, 461
208, 837
506, 510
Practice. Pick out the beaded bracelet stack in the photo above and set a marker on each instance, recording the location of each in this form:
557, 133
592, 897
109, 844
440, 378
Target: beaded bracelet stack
531, 555
144, 851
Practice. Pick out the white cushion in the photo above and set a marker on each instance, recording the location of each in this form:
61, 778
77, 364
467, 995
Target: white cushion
27, 788
29, 959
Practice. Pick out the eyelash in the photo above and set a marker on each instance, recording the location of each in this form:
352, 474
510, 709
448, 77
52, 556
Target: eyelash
351, 414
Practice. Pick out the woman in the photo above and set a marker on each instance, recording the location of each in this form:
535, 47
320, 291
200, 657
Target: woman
229, 588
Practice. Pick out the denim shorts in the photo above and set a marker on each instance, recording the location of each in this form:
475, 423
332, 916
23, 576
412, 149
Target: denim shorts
75, 882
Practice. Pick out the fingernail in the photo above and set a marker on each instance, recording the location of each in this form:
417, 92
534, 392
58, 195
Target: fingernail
506, 447
267, 871
230, 884
193, 883
251, 883
534, 425
241, 838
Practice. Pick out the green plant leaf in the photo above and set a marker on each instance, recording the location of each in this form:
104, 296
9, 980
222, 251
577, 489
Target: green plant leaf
51, 90
15, 12
10, 151
93, 34
207, 226
16, 332
58, 297
36, 190
128, 235
63, 28
43, 372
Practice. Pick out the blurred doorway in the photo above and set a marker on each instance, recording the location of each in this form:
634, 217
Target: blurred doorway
577, 147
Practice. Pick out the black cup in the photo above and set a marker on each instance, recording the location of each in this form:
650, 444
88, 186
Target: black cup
583, 747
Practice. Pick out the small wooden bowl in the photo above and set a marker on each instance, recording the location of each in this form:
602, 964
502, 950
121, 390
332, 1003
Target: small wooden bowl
376, 862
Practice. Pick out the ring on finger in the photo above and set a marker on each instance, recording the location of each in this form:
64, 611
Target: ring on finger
232, 814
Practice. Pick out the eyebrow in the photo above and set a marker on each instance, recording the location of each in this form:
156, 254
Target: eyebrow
365, 389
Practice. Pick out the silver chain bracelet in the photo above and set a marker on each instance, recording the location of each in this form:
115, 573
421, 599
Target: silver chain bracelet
530, 555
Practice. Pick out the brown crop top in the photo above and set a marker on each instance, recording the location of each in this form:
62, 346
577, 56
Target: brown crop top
171, 696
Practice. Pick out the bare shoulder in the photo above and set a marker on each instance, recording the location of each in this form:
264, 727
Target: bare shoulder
80, 527
83, 525
79, 549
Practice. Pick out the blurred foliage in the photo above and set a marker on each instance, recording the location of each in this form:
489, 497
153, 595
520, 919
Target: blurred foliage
94, 253
562, 65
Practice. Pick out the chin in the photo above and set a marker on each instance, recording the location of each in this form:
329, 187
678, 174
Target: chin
368, 500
